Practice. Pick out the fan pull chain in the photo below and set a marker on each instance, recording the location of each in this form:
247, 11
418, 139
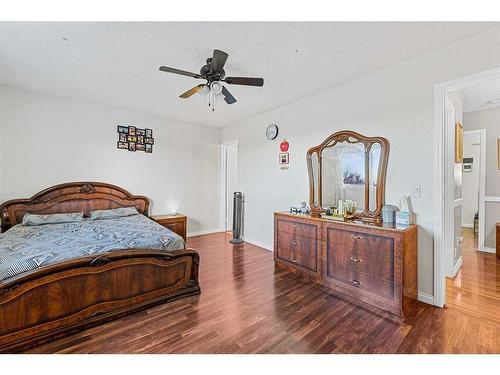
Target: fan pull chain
211, 98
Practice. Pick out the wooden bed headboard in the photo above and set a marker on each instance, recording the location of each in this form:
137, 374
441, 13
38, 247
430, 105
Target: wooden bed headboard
71, 197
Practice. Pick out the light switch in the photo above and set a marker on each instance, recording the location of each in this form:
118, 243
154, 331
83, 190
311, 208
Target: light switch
416, 191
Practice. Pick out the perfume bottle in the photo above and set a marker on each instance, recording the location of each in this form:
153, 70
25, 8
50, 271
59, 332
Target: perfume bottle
303, 208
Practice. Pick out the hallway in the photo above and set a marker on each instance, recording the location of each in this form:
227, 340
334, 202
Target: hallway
476, 288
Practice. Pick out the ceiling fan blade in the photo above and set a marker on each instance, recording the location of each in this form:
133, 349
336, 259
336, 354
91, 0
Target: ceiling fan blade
246, 81
218, 60
227, 96
178, 71
191, 92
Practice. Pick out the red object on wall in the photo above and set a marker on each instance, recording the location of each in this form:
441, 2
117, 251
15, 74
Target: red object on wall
284, 146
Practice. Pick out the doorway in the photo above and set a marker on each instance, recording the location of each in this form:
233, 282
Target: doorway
461, 257
228, 183
473, 185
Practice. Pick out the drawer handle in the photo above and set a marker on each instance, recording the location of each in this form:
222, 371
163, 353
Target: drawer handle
356, 260
353, 236
172, 225
295, 261
356, 282
295, 243
295, 225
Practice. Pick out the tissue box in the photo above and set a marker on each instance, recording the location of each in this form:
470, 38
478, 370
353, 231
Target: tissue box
403, 218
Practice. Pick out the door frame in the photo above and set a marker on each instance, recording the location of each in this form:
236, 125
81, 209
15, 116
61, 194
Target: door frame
442, 149
223, 201
450, 201
482, 185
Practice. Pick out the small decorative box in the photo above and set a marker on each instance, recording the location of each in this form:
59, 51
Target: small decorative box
403, 218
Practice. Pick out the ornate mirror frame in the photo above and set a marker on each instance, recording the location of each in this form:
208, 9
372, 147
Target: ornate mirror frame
350, 137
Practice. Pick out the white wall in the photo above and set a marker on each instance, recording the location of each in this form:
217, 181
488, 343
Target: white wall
396, 102
489, 119
49, 140
472, 149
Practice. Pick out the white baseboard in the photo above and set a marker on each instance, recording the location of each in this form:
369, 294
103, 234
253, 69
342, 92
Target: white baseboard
467, 225
458, 265
426, 298
489, 250
200, 233
259, 244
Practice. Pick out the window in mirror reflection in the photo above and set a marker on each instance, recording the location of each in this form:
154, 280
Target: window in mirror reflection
343, 170
353, 165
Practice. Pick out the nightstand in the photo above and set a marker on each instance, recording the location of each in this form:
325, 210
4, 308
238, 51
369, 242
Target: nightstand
176, 223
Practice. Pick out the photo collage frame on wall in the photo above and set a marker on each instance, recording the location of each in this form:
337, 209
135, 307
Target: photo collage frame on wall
132, 138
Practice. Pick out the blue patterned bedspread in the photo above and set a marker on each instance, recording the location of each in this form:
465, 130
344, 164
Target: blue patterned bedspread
24, 248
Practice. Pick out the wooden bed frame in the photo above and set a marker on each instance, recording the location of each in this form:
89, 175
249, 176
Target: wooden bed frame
62, 298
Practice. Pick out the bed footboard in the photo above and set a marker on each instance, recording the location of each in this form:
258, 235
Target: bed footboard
67, 297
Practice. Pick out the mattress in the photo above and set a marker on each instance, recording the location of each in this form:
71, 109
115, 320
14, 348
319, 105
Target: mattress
25, 248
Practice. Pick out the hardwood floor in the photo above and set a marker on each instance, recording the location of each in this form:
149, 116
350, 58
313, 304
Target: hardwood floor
248, 306
476, 288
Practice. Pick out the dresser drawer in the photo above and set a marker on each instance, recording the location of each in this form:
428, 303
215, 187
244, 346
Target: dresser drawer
362, 260
364, 282
298, 250
360, 242
298, 228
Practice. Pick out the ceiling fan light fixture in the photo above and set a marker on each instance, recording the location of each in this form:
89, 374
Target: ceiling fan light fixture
219, 98
204, 91
214, 74
216, 87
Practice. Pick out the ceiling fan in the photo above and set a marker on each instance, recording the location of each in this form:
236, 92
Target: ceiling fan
213, 72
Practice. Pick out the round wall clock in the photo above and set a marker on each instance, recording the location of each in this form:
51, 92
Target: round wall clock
272, 132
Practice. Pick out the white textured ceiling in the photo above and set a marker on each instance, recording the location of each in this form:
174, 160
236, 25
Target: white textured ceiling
117, 63
476, 97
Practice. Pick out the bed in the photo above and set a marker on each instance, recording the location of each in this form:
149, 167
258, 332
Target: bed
56, 279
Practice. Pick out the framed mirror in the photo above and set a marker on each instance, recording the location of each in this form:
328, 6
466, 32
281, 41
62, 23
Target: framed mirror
347, 172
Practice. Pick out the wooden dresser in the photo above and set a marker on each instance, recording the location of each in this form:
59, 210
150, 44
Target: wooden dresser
176, 223
374, 264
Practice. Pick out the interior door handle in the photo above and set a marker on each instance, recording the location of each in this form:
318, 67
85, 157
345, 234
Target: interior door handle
356, 237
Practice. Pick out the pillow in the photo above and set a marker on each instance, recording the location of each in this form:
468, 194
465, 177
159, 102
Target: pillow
34, 219
113, 213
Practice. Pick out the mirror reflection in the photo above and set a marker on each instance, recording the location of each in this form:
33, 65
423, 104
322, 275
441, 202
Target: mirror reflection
374, 167
347, 176
343, 174
315, 174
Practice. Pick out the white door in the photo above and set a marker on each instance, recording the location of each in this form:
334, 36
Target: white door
228, 183
470, 177
453, 255
231, 182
